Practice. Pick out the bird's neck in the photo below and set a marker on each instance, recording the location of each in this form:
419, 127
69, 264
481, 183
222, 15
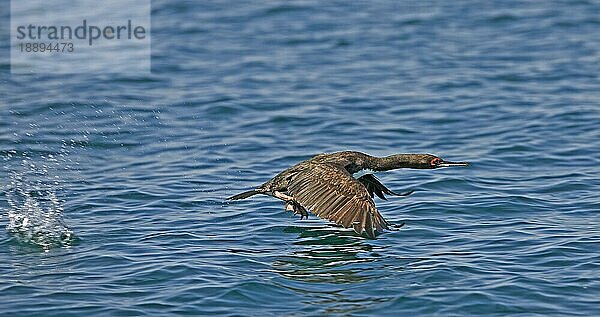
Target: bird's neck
392, 162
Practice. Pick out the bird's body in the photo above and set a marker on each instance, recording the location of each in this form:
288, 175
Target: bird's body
340, 187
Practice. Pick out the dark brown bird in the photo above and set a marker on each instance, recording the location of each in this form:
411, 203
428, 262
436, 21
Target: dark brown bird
339, 187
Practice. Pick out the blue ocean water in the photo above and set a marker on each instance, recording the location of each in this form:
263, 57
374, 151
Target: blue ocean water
112, 187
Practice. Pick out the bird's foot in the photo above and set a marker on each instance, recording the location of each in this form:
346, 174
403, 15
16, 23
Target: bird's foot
294, 206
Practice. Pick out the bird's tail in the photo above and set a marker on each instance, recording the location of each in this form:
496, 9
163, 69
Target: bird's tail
244, 195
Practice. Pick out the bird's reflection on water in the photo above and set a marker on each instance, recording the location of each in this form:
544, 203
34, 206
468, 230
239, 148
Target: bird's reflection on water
326, 255
335, 268
331, 256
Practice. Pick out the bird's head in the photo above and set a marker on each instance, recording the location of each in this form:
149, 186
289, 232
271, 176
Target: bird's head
429, 161
418, 161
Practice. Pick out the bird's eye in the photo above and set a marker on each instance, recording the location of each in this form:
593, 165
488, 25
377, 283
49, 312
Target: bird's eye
435, 161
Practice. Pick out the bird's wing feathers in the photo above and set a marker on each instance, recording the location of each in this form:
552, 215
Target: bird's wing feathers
331, 193
373, 185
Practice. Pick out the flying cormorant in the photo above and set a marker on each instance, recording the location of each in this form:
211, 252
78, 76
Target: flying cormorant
339, 187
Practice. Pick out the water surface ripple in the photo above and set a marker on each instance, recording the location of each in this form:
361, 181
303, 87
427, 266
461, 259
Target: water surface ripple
112, 187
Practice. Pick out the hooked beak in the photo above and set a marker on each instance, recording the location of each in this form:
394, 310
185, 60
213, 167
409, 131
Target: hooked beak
450, 164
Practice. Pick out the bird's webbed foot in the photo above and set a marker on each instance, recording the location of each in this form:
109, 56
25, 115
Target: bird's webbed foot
294, 206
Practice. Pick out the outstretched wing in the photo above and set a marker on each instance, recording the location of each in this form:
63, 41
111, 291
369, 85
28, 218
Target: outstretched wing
373, 185
331, 193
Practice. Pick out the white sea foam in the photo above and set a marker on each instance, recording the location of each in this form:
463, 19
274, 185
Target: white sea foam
35, 212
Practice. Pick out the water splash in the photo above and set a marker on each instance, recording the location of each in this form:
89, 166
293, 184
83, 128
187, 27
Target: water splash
35, 213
